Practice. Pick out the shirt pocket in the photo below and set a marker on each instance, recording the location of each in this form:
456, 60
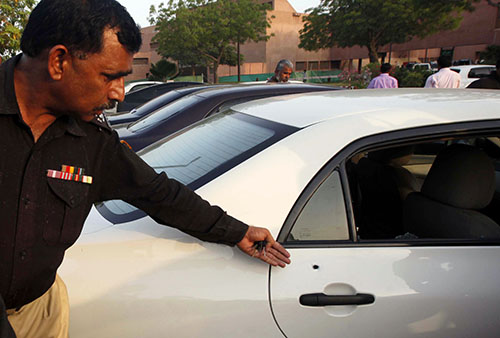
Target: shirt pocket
67, 207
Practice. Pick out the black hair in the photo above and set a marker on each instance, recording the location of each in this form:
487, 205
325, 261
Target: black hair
385, 68
78, 25
444, 61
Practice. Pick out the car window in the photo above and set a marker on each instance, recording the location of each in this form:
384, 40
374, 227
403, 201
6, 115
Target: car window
324, 216
202, 152
480, 72
164, 113
446, 189
395, 198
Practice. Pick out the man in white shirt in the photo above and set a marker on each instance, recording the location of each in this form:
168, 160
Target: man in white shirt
445, 78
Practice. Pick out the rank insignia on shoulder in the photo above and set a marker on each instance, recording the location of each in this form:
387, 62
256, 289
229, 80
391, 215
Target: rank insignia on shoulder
70, 173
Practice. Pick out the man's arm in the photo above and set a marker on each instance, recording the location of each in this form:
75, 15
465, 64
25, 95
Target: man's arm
126, 176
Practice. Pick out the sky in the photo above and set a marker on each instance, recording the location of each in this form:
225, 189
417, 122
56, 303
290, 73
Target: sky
140, 9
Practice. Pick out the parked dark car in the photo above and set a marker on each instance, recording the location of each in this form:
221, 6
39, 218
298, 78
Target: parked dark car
198, 105
141, 96
152, 105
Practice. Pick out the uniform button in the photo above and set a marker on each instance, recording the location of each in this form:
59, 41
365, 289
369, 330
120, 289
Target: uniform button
22, 255
26, 202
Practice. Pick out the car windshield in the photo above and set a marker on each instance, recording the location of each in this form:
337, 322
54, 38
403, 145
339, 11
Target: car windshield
164, 113
202, 152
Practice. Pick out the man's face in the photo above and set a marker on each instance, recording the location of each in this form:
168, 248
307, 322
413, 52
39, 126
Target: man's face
284, 74
96, 82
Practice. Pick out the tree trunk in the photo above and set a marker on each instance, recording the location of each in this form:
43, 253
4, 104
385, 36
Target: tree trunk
216, 78
372, 52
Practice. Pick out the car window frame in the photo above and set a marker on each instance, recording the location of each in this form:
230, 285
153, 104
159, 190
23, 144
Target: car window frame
393, 138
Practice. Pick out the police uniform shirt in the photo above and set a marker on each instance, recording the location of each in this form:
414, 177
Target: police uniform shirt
41, 216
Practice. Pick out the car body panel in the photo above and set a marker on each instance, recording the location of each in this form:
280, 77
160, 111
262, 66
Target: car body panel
150, 106
144, 279
138, 97
431, 292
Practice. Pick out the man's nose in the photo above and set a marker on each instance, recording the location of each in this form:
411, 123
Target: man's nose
117, 90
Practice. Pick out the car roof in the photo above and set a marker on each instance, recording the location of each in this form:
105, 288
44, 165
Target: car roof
467, 67
264, 88
384, 109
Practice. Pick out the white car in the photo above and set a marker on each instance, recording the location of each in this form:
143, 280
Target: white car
133, 86
471, 73
383, 242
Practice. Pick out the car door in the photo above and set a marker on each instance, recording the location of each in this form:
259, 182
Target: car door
341, 286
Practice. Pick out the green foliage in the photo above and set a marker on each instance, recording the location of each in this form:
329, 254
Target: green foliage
13, 18
375, 23
411, 78
162, 70
490, 55
373, 68
204, 32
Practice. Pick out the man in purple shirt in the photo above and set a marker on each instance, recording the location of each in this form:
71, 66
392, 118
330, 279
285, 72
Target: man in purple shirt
384, 80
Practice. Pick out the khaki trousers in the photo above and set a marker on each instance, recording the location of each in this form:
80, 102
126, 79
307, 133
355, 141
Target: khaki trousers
45, 317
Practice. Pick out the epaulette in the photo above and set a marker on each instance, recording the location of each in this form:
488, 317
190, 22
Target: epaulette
102, 122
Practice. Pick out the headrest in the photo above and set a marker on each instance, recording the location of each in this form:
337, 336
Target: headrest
461, 176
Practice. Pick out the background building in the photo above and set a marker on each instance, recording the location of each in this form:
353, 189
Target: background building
478, 30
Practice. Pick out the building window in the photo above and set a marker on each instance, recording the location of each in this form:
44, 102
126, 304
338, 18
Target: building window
335, 64
300, 65
324, 65
313, 65
140, 61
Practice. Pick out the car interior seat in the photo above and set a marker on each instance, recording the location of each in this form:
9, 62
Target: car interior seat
383, 184
460, 182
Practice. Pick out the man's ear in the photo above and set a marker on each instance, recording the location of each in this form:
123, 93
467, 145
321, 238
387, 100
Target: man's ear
59, 60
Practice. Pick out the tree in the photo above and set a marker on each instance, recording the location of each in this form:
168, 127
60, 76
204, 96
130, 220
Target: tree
375, 23
13, 17
162, 70
204, 32
491, 54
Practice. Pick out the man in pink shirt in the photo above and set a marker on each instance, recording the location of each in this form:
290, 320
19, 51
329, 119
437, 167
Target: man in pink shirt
445, 78
384, 80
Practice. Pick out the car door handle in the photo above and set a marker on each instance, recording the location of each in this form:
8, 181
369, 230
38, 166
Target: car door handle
320, 299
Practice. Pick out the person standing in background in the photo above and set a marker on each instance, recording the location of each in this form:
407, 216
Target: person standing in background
445, 77
384, 80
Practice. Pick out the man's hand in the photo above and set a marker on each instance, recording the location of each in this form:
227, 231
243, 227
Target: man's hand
272, 253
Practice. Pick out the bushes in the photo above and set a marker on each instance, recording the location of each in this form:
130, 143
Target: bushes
411, 78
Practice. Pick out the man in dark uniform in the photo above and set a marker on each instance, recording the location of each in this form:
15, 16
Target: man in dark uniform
57, 159
283, 71
489, 82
